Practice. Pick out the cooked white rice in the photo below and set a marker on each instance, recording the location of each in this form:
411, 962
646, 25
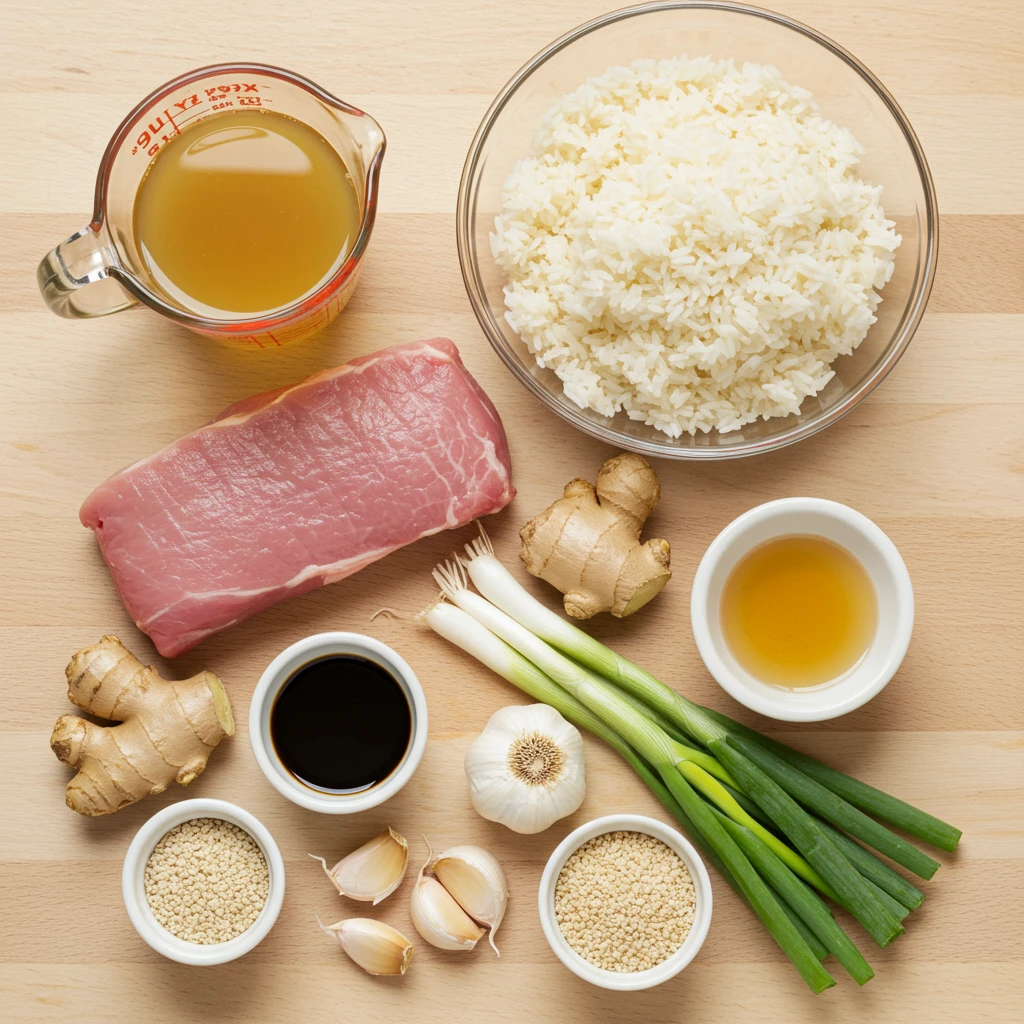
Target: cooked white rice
690, 243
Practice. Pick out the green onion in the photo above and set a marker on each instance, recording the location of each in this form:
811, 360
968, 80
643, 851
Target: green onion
870, 800
641, 734
817, 946
495, 582
607, 702
810, 838
877, 871
753, 784
803, 901
758, 895
835, 809
841, 881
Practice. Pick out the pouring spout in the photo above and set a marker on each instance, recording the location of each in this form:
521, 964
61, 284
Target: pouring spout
365, 131
365, 141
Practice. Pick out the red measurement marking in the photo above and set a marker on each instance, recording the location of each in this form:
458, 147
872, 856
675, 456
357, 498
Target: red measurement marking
191, 117
177, 126
149, 141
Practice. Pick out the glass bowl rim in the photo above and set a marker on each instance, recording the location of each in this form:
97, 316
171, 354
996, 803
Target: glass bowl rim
896, 346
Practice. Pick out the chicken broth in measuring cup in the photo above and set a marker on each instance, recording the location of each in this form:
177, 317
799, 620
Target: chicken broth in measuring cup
245, 211
236, 200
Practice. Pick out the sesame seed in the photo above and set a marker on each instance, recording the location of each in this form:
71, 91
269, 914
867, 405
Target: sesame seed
207, 881
625, 901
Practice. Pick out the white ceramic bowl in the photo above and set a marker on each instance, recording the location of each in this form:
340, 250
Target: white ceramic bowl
863, 539
133, 878
667, 968
281, 669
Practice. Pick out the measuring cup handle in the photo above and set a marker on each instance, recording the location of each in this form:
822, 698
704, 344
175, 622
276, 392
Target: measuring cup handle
74, 278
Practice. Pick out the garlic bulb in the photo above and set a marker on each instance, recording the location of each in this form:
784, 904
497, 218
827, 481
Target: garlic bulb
475, 879
374, 871
436, 915
375, 946
525, 769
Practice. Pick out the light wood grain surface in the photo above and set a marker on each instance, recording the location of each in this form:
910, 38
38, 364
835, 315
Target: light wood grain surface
936, 457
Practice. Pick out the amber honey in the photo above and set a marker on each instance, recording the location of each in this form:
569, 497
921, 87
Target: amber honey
798, 611
245, 211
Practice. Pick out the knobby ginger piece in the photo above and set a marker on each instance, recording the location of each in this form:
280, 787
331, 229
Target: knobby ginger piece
587, 544
167, 732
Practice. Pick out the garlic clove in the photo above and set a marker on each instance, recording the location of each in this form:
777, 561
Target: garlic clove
439, 919
374, 871
436, 915
376, 947
474, 878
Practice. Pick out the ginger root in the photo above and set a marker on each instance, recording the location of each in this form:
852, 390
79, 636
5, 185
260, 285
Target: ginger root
167, 730
587, 544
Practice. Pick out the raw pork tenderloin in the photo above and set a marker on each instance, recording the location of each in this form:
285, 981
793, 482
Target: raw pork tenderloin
287, 491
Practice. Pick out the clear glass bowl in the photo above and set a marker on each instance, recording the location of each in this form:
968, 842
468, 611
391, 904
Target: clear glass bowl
847, 93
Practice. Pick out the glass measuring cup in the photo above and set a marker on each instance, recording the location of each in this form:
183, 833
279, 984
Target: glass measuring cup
100, 270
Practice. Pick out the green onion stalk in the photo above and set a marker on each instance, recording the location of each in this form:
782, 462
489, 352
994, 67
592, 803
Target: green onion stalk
872, 801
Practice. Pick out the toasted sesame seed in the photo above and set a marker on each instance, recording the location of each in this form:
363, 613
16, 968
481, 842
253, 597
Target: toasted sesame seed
207, 881
625, 901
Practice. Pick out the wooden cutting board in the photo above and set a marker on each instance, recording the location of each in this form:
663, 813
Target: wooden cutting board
935, 456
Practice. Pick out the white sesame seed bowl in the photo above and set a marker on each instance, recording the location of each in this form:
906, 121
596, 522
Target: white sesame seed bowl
673, 964
133, 883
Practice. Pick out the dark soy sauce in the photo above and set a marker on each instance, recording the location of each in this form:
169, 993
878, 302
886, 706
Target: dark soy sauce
341, 724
